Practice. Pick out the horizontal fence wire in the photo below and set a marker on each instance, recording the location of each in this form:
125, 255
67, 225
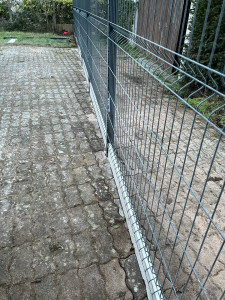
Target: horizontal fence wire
156, 69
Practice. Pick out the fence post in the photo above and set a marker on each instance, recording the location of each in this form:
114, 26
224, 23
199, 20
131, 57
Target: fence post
112, 56
89, 44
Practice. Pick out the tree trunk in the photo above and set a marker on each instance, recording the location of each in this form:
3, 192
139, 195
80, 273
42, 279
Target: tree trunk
9, 5
54, 16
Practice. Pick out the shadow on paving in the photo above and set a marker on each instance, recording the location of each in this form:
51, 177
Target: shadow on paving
61, 234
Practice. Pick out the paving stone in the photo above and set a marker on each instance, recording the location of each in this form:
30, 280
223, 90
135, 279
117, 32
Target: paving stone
67, 177
120, 233
5, 206
103, 245
59, 222
102, 190
213, 291
39, 180
85, 147
41, 225
115, 281
81, 175
74, 148
92, 283
78, 219
9, 170
78, 160
5, 261
21, 292
89, 159
95, 216
22, 257
46, 288
87, 193
24, 166
70, 288
24, 153
23, 204
111, 213
3, 294
22, 230
7, 187
72, 197
6, 226
97, 145
42, 260
119, 205
39, 202
24, 184
111, 183
134, 278
85, 250
51, 165
38, 165
95, 172
64, 161
63, 252
55, 199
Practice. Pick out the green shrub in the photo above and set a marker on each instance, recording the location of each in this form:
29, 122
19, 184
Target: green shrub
204, 55
4, 12
36, 15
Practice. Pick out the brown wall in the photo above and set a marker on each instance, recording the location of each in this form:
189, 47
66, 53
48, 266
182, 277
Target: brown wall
169, 13
67, 27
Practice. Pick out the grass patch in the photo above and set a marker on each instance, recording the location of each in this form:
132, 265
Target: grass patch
210, 108
206, 107
144, 59
36, 39
133, 51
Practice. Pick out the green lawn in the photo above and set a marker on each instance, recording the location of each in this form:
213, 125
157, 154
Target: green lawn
36, 39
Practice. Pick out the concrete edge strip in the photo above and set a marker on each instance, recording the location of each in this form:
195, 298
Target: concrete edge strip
147, 270
146, 267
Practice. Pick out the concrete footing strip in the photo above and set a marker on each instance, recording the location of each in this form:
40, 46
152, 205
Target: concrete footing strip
144, 261
146, 267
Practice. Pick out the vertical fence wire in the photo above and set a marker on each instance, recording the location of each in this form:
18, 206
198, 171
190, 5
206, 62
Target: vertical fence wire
156, 69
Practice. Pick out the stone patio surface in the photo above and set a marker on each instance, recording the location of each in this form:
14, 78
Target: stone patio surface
61, 236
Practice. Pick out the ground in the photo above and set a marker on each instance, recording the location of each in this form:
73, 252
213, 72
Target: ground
61, 234
36, 39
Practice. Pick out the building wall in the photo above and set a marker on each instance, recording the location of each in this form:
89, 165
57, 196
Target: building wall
160, 21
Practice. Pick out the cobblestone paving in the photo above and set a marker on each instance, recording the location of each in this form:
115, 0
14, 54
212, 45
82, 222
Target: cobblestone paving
61, 234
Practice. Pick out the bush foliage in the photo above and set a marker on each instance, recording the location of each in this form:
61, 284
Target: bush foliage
35, 15
206, 44
201, 46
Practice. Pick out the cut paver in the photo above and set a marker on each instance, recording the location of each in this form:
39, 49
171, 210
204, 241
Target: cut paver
62, 236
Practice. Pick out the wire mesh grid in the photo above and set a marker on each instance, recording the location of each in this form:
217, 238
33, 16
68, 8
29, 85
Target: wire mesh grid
156, 72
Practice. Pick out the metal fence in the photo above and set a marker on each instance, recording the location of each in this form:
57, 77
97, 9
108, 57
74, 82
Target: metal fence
162, 116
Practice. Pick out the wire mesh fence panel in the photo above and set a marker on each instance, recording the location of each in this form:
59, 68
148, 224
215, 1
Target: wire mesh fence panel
91, 33
156, 69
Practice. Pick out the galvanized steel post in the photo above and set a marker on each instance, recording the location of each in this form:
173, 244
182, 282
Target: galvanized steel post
112, 57
89, 41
